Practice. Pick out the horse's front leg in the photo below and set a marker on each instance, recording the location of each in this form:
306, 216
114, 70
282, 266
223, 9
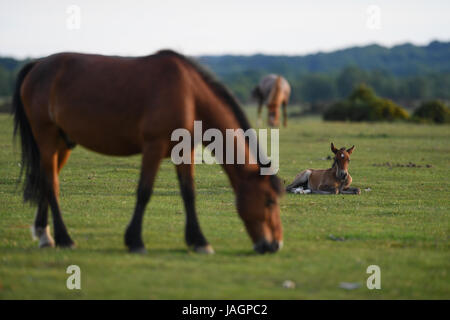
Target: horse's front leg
345, 189
325, 190
351, 191
193, 234
151, 158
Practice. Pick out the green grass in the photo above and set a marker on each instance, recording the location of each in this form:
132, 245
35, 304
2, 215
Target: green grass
402, 224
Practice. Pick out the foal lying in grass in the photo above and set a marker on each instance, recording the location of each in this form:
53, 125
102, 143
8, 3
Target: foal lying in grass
331, 181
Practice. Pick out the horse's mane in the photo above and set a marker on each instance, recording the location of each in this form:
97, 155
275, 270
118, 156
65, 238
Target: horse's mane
227, 97
219, 89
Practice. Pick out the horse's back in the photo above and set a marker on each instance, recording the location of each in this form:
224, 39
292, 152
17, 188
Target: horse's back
105, 101
267, 82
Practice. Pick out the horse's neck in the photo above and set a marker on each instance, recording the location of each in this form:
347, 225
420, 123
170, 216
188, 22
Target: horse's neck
222, 118
333, 166
275, 93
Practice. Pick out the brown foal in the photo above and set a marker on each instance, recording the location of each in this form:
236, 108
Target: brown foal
335, 180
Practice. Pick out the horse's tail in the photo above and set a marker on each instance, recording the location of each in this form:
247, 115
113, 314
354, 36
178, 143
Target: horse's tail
30, 161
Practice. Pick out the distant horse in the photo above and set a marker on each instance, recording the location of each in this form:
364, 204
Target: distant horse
274, 91
123, 106
331, 181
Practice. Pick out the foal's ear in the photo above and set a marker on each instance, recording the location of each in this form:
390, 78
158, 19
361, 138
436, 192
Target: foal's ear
349, 151
333, 148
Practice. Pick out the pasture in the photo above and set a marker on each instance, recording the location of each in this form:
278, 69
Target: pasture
402, 224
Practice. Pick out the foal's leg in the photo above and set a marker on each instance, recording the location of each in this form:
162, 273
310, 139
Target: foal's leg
151, 158
299, 180
325, 190
284, 114
40, 228
346, 188
322, 192
193, 234
351, 191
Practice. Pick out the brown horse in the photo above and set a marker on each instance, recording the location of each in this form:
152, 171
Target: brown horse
123, 106
331, 181
274, 91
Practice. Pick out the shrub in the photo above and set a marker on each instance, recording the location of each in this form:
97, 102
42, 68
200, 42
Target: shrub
364, 105
432, 111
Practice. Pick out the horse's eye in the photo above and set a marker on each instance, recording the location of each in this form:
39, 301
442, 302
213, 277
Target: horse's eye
269, 202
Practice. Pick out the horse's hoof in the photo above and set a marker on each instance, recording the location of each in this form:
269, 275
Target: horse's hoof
207, 249
49, 243
43, 235
137, 250
358, 191
66, 245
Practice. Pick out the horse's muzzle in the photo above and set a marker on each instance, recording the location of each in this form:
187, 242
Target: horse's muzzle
264, 246
342, 175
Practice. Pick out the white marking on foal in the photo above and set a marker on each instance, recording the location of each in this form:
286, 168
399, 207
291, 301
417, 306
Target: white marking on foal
342, 155
300, 190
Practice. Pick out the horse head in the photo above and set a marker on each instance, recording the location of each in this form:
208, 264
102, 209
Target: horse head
258, 206
341, 160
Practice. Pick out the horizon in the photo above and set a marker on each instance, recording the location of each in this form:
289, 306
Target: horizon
209, 28
262, 53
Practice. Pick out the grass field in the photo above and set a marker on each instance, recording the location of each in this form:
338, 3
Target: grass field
401, 225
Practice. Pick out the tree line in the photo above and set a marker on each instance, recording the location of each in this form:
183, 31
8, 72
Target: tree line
402, 73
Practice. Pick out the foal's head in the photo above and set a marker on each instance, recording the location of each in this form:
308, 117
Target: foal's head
341, 160
258, 205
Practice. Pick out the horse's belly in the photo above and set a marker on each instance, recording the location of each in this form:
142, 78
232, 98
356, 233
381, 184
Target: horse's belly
105, 136
115, 146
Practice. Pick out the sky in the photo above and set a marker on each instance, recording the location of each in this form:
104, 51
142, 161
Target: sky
198, 27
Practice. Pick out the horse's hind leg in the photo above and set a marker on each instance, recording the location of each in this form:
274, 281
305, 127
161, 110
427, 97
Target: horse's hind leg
40, 228
300, 179
49, 163
193, 234
151, 158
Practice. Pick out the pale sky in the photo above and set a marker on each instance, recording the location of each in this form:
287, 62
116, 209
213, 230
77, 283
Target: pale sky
194, 27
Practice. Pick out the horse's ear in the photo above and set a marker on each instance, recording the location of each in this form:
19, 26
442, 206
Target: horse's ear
350, 150
333, 148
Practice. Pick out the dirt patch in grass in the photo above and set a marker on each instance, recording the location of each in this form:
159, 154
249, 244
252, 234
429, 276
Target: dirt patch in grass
402, 165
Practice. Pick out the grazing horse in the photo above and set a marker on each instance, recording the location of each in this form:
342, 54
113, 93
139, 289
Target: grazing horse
274, 91
331, 181
123, 106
